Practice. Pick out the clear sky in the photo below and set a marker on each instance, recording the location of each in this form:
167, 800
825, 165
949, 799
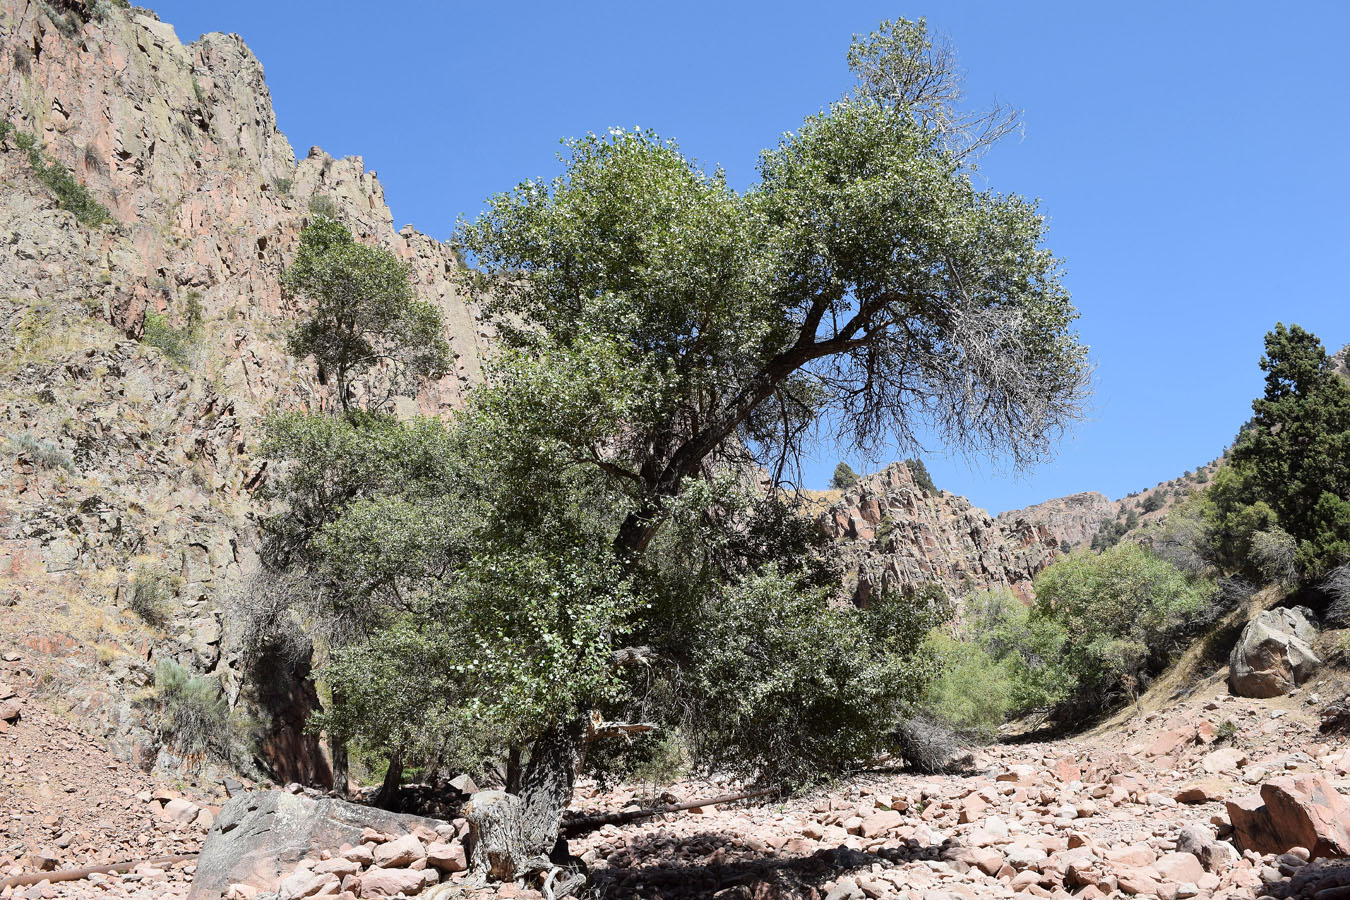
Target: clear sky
1190, 157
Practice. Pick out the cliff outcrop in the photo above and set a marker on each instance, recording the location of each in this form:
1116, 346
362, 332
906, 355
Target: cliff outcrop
896, 536
127, 504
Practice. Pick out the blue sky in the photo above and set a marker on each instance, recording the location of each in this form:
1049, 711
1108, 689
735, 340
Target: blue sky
1189, 156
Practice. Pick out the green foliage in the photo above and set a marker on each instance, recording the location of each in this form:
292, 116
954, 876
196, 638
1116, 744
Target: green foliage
844, 477
786, 689
363, 316
149, 597
283, 185
1123, 616
175, 343
578, 542
1288, 470
974, 693
323, 206
921, 477
47, 454
194, 716
1155, 501
69, 192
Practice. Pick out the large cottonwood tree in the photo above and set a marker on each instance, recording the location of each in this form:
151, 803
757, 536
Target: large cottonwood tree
582, 558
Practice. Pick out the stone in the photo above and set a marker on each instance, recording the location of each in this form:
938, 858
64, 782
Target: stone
399, 852
1274, 654
880, 822
1179, 867
379, 882
448, 857
1309, 813
259, 836
1226, 759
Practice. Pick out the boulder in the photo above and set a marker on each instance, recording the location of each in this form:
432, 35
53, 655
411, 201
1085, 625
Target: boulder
1308, 809
1274, 654
258, 837
1305, 811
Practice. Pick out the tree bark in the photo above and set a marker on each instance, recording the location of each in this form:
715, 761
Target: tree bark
388, 796
517, 836
338, 749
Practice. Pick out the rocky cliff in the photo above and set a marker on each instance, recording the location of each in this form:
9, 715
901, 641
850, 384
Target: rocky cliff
1074, 519
896, 536
126, 482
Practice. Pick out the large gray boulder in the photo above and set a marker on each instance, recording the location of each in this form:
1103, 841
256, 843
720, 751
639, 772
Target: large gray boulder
258, 837
1274, 654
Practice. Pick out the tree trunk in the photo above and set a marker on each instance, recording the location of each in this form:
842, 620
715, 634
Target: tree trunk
513, 770
388, 796
516, 836
338, 749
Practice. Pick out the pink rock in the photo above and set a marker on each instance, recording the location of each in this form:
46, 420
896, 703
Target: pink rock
399, 852
881, 822
1179, 867
380, 882
448, 857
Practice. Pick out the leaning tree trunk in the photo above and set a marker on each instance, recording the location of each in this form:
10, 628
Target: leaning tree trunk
516, 836
388, 796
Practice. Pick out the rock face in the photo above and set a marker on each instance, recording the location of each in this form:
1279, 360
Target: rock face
1074, 518
121, 467
1303, 812
258, 837
898, 537
1274, 654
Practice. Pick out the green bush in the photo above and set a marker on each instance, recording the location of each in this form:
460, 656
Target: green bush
149, 597
283, 186
193, 713
921, 477
323, 205
47, 454
844, 477
1122, 617
70, 193
974, 693
175, 343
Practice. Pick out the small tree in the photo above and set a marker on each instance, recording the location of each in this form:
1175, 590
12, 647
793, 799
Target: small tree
363, 316
844, 477
920, 474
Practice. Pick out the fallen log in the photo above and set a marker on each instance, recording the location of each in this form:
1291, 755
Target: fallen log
105, 869
583, 824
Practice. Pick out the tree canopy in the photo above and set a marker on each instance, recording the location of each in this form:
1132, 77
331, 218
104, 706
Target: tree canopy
586, 551
1288, 476
363, 317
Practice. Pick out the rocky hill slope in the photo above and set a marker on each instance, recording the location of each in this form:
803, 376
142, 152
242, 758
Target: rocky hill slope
895, 535
126, 482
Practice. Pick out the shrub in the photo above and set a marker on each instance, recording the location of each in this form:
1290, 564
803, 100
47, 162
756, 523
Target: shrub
1337, 589
921, 476
283, 186
175, 343
149, 598
70, 193
1123, 614
844, 477
193, 713
928, 746
47, 454
323, 205
974, 692
1274, 554
1155, 501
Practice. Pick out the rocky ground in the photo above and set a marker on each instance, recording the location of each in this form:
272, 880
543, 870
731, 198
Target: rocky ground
1146, 808
66, 802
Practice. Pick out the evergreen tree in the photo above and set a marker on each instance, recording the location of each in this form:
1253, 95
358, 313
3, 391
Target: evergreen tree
844, 477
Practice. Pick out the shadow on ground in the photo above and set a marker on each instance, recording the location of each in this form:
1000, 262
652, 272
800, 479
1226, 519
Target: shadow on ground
690, 866
1324, 880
